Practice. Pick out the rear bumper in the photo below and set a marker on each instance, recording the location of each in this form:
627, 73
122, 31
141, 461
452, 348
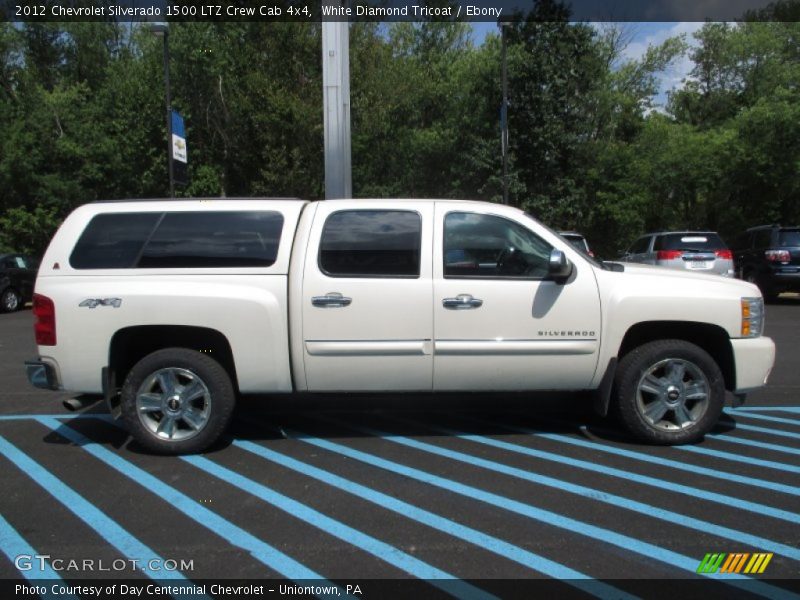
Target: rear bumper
754, 358
42, 374
783, 281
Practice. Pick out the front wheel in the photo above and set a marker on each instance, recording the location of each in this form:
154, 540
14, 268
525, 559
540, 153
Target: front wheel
669, 392
177, 401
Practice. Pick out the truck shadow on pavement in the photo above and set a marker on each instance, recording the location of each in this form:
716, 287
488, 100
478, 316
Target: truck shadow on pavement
337, 416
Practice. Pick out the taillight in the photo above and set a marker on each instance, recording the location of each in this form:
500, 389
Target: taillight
777, 255
44, 327
725, 254
668, 254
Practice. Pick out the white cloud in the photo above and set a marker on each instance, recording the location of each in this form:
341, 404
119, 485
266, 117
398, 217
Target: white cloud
679, 70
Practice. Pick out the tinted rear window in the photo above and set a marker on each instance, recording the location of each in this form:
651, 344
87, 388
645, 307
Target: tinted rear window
789, 237
214, 239
689, 241
371, 243
179, 240
113, 241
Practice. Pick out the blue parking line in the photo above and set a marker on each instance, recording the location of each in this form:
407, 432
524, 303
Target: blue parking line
760, 417
128, 545
482, 540
767, 430
756, 444
789, 409
665, 462
587, 492
68, 417
595, 467
748, 460
234, 535
13, 545
386, 552
600, 534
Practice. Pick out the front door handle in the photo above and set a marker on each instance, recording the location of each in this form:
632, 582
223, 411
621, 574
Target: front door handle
462, 302
331, 300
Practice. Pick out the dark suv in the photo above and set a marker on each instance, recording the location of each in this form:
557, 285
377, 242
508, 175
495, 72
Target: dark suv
769, 256
17, 276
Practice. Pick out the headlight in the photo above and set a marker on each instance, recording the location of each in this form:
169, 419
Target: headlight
752, 317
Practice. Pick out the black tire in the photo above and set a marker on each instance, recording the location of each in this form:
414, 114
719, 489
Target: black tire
667, 375
10, 300
177, 401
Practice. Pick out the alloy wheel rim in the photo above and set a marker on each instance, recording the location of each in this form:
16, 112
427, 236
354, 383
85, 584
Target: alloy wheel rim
10, 301
673, 395
173, 404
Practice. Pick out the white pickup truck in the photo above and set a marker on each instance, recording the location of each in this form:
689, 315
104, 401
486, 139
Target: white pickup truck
171, 309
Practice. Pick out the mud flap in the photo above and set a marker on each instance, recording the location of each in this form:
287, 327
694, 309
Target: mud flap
111, 393
602, 395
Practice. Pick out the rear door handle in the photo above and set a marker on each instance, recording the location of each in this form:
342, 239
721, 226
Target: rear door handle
331, 300
462, 302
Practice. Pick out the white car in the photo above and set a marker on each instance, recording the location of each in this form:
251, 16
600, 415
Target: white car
173, 309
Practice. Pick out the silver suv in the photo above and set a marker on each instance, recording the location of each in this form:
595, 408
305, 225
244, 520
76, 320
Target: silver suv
702, 251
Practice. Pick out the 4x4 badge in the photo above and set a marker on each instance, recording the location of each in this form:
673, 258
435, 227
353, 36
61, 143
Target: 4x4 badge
95, 302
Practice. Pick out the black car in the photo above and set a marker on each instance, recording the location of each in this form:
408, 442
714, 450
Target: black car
17, 276
769, 256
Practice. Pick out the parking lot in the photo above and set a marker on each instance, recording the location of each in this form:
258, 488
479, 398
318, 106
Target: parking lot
467, 497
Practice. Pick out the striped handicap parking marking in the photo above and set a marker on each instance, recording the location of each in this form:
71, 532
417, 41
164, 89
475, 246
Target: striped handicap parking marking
442, 497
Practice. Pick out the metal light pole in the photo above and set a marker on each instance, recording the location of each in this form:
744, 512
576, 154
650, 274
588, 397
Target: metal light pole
161, 28
336, 103
504, 112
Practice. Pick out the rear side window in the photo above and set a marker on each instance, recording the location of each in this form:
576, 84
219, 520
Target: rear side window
214, 239
179, 240
789, 237
689, 241
371, 243
762, 239
113, 241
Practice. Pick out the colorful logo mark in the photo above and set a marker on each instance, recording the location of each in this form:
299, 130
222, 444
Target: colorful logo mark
742, 562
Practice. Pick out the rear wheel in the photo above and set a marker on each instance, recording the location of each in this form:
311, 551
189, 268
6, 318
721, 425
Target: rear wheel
10, 300
669, 392
177, 401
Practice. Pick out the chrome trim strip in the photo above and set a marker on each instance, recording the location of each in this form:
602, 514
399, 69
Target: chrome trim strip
368, 348
514, 347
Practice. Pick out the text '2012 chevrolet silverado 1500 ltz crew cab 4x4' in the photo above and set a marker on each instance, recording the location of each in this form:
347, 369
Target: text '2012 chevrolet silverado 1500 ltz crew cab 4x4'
173, 309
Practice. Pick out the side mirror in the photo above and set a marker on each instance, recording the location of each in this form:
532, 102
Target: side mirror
558, 267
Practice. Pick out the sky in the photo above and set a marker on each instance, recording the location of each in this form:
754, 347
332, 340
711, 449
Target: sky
641, 35
652, 34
